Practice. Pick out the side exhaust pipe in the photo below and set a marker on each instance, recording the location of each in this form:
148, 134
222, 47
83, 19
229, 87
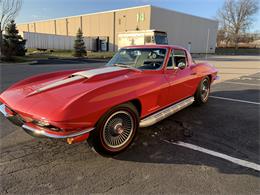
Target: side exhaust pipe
158, 116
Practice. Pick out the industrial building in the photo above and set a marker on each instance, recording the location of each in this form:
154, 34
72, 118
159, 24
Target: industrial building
196, 33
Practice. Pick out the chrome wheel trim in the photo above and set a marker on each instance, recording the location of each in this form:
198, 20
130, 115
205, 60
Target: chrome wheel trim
118, 129
205, 90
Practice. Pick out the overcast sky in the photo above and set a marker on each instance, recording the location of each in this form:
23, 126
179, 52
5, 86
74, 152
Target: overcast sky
46, 9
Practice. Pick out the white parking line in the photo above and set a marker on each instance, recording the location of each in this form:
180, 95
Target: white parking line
238, 83
246, 78
237, 161
234, 100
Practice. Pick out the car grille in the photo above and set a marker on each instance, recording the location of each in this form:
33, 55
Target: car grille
16, 119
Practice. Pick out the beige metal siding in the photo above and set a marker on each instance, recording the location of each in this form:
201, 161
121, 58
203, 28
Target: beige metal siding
182, 29
32, 27
126, 20
86, 25
73, 25
104, 24
22, 28
111, 23
61, 27
98, 24
45, 27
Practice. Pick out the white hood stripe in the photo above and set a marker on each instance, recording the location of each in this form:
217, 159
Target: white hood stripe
57, 83
98, 71
77, 76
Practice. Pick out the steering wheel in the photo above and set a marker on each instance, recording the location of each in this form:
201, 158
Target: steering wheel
156, 64
152, 65
152, 55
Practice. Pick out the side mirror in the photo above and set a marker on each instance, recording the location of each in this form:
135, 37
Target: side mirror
181, 65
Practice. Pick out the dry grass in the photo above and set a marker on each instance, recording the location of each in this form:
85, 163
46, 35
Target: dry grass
33, 54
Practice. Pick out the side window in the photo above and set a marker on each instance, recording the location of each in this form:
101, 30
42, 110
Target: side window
171, 63
179, 56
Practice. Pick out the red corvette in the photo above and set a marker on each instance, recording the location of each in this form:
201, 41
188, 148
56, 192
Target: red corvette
138, 87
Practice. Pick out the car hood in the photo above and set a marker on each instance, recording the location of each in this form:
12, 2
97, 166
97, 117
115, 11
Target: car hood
50, 94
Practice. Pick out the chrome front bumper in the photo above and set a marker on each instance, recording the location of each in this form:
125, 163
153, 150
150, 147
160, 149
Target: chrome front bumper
43, 132
38, 131
3, 111
11, 116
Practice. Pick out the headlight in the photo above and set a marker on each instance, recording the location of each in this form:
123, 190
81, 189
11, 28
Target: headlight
46, 124
41, 123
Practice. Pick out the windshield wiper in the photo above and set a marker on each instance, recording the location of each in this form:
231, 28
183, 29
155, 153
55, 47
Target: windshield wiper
126, 66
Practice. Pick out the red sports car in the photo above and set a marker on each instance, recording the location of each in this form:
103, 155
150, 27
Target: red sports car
138, 87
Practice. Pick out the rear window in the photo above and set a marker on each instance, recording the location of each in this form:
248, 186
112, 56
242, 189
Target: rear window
179, 53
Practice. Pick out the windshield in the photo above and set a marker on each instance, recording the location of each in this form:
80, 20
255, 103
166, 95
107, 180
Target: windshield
139, 58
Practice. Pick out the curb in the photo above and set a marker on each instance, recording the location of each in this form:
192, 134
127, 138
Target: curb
33, 62
19, 63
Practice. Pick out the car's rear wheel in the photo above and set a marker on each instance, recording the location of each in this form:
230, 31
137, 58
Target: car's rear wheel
202, 94
116, 130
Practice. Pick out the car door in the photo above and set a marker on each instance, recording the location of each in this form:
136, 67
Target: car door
179, 75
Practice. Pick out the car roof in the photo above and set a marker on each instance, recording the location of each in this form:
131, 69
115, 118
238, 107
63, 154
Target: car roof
156, 46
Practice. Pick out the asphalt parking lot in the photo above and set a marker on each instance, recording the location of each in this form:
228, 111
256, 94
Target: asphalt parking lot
212, 149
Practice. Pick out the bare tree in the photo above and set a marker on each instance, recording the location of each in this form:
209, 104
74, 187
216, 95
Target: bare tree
8, 11
236, 16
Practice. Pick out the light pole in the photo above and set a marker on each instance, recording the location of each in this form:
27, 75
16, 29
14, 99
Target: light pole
124, 16
207, 46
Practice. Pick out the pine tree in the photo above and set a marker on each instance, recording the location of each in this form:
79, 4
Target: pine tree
79, 45
13, 43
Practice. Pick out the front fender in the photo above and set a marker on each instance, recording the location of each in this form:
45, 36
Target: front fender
92, 105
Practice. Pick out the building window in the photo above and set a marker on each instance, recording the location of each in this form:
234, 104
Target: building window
148, 39
140, 17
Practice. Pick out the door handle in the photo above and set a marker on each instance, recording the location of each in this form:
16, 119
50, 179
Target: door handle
194, 73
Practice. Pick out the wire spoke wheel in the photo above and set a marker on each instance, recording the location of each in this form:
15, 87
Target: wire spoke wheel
201, 95
205, 89
115, 130
118, 129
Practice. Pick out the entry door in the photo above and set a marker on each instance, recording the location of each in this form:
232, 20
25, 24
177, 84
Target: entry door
180, 79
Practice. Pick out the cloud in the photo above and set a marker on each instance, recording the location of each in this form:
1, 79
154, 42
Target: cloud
38, 17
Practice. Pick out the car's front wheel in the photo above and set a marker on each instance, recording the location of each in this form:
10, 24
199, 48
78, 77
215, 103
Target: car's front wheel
203, 90
116, 130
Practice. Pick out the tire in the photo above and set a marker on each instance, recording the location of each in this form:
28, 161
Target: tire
116, 130
202, 93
